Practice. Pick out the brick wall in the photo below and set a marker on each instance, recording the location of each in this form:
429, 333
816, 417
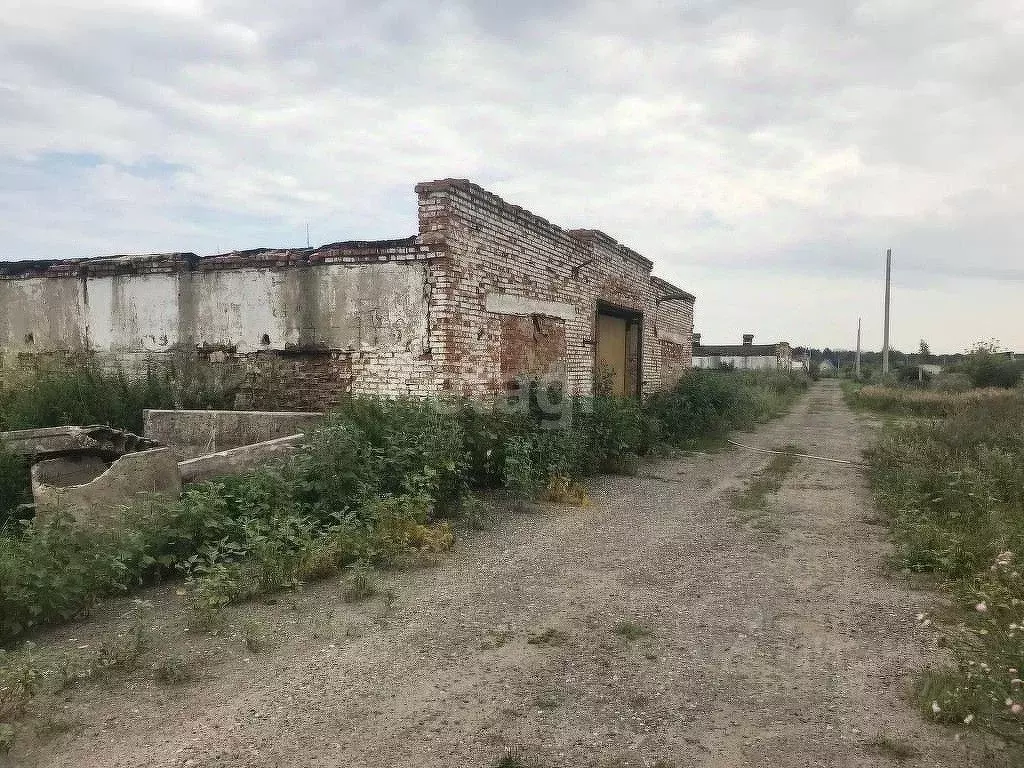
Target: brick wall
492, 247
674, 330
486, 291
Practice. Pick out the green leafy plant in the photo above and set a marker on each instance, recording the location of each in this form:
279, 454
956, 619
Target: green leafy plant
361, 583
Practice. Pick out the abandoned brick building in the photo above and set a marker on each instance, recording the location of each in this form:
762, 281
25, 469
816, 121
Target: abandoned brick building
485, 293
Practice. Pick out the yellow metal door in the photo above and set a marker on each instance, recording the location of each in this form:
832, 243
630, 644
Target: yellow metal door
611, 352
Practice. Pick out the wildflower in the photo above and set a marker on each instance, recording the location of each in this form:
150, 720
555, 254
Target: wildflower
1017, 709
981, 607
969, 719
1009, 702
936, 708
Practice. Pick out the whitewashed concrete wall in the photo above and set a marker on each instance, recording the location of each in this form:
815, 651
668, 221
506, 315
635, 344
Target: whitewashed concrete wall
42, 314
132, 313
739, 362
365, 307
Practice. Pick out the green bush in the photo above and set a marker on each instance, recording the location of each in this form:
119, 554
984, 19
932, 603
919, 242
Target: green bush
710, 403
55, 572
992, 371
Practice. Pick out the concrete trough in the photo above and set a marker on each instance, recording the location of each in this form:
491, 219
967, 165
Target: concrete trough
238, 460
94, 491
192, 433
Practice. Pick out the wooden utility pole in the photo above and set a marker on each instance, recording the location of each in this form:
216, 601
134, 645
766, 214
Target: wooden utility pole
885, 332
856, 362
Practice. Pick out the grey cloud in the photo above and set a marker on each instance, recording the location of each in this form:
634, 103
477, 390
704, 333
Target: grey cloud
775, 138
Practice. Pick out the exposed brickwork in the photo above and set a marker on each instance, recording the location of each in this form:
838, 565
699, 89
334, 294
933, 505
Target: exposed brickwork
303, 381
505, 293
674, 330
532, 347
492, 246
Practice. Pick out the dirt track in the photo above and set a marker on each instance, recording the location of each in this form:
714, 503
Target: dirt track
776, 640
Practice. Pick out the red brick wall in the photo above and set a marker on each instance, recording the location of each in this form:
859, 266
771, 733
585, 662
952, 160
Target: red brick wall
490, 246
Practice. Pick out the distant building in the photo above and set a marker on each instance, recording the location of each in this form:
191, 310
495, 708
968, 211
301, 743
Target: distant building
745, 356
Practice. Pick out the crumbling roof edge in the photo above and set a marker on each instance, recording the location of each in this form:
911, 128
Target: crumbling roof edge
473, 189
373, 250
668, 289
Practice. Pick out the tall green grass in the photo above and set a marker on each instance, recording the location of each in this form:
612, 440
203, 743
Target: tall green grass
84, 393
953, 489
380, 479
87, 393
915, 402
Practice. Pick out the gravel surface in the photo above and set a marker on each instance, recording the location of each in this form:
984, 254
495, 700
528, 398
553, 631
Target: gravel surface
657, 624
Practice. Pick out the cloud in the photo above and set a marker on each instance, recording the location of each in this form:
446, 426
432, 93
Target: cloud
738, 144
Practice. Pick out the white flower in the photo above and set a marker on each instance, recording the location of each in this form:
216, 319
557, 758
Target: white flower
936, 708
981, 607
969, 719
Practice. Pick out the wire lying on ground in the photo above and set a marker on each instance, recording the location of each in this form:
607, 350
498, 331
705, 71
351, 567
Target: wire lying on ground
801, 455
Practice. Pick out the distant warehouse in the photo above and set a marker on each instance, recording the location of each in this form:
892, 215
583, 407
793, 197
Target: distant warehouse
745, 356
486, 294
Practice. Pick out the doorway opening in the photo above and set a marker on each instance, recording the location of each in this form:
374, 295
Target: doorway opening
617, 351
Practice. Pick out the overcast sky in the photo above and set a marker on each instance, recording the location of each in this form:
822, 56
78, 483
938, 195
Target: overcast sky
764, 154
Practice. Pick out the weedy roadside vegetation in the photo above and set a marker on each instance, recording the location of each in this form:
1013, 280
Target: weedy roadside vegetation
549, 636
952, 488
380, 483
175, 670
924, 403
892, 748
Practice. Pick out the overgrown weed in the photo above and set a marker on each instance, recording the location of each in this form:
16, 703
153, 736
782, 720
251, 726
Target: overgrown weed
953, 491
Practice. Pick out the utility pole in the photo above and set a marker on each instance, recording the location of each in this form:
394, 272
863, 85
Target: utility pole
885, 332
856, 363
307, 233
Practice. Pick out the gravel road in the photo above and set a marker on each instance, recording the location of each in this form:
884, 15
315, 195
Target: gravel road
658, 626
